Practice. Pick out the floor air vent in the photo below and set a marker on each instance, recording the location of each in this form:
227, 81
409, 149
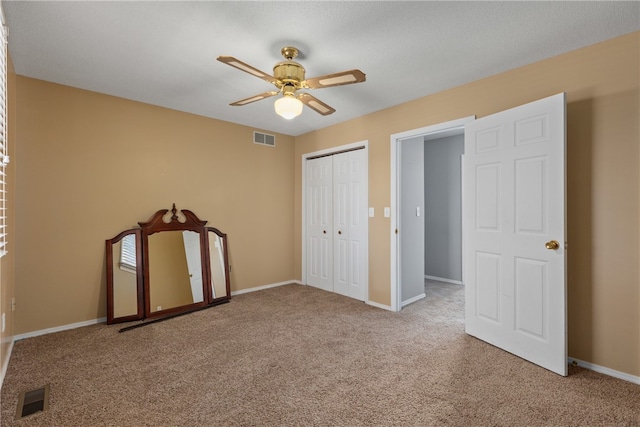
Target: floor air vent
264, 139
31, 402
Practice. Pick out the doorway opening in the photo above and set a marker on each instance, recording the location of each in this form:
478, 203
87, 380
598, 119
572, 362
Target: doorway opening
514, 205
443, 207
426, 243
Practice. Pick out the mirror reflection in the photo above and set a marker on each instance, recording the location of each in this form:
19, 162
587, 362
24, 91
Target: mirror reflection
216, 260
125, 277
175, 269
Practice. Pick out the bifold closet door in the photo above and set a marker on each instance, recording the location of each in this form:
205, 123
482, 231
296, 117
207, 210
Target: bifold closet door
350, 224
319, 211
336, 209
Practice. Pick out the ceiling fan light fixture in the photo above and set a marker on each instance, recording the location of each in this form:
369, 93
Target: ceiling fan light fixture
289, 77
288, 107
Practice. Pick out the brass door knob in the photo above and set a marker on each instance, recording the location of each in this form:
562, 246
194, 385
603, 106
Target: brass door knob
553, 245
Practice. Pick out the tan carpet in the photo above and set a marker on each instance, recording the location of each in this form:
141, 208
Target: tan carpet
298, 356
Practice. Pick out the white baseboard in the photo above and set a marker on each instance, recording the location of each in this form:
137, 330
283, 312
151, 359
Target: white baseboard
378, 305
104, 319
5, 363
412, 300
298, 282
604, 370
442, 279
260, 288
59, 329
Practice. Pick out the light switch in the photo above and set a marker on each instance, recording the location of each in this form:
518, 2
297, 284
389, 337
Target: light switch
387, 212
371, 213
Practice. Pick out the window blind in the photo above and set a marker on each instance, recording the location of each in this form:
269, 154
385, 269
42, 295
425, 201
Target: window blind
128, 252
4, 156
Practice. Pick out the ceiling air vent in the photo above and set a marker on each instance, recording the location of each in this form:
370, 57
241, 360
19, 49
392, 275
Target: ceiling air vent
264, 139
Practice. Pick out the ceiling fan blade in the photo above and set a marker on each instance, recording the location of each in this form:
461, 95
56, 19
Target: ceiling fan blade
254, 98
315, 104
230, 60
336, 79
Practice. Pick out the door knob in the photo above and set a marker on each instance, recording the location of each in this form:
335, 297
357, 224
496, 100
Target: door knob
553, 244
324, 231
339, 232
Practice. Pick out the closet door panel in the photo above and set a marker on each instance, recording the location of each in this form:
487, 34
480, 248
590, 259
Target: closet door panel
341, 218
358, 225
350, 223
319, 211
337, 223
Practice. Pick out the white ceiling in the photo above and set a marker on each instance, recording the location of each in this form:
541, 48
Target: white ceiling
164, 53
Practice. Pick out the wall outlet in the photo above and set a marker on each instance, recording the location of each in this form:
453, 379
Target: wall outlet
158, 308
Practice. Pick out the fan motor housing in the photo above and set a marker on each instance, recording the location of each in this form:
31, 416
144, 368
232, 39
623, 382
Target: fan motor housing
289, 72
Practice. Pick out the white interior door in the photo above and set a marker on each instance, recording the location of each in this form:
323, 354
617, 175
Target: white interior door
194, 264
350, 224
514, 211
319, 218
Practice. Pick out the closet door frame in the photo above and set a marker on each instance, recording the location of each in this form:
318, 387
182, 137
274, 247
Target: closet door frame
327, 152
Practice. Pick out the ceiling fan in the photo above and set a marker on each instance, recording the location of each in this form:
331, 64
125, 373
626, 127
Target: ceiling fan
288, 77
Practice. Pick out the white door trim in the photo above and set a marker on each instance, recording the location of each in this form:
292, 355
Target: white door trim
396, 138
326, 152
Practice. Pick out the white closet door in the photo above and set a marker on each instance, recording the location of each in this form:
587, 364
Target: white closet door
350, 254
319, 211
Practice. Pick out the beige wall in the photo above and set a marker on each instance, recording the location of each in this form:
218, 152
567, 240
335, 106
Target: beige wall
93, 165
601, 82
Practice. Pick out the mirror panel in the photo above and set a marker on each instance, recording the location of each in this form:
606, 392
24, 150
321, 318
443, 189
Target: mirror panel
125, 292
175, 270
124, 277
217, 265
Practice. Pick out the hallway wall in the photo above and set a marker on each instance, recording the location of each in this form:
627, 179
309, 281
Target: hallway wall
443, 208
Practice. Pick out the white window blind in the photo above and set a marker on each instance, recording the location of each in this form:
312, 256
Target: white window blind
128, 253
4, 157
